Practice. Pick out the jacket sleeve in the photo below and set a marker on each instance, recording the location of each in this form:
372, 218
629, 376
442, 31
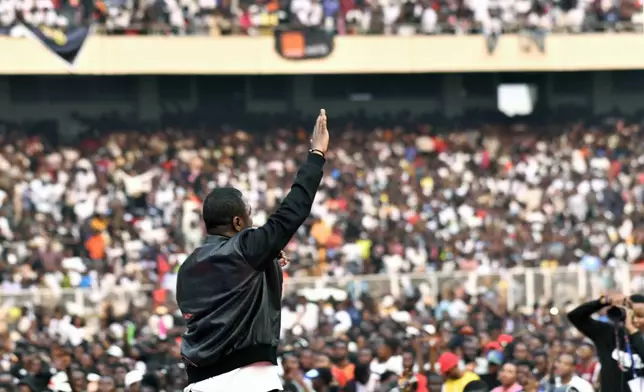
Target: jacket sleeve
637, 341
581, 318
263, 244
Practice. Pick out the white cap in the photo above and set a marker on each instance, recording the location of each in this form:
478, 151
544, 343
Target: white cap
115, 351
59, 383
133, 377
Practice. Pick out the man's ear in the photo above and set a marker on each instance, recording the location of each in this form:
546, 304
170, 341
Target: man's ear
238, 224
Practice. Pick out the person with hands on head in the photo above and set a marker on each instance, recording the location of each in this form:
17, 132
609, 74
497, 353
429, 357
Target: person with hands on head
229, 290
620, 346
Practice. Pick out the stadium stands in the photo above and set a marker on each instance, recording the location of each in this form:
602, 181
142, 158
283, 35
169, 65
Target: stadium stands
214, 18
444, 234
119, 211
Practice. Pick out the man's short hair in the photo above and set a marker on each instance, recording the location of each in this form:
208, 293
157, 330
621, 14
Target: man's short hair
524, 362
637, 299
221, 206
392, 343
361, 371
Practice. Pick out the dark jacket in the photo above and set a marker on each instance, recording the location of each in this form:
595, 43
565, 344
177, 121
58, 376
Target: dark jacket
230, 289
610, 347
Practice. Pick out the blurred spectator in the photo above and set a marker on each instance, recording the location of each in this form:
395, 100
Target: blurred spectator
508, 379
565, 371
455, 378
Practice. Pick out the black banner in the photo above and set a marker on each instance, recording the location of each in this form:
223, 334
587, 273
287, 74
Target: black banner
303, 43
65, 44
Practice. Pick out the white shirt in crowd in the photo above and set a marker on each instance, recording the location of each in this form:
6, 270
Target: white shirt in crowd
458, 310
393, 364
578, 383
309, 13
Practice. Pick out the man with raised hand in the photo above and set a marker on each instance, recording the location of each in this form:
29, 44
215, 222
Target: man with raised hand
229, 290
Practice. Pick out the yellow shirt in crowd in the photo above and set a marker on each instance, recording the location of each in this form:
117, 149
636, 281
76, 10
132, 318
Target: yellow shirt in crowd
458, 385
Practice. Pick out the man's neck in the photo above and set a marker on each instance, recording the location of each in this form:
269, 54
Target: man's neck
565, 380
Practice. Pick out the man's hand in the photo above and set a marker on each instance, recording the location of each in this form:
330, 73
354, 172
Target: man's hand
416, 343
282, 259
320, 138
616, 299
628, 322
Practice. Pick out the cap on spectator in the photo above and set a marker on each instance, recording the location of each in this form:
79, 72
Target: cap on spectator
133, 377
467, 330
496, 346
115, 351
495, 357
447, 361
59, 383
504, 339
322, 373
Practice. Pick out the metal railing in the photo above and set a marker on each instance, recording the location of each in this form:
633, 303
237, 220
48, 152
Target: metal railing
523, 286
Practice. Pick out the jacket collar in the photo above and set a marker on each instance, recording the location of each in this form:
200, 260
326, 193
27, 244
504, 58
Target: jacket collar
211, 238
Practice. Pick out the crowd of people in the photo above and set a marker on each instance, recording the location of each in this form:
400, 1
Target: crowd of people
351, 345
395, 200
403, 17
120, 211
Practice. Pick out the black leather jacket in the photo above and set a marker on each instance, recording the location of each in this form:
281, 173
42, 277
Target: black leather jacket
229, 290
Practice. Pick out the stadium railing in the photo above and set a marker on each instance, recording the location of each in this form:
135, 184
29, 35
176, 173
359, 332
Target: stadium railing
521, 286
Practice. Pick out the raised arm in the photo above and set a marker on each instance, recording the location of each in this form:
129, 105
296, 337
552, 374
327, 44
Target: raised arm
263, 244
581, 318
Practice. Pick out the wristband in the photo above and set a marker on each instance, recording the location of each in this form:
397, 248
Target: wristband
314, 150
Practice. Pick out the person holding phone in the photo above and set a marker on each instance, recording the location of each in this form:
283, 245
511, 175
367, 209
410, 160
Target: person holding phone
620, 346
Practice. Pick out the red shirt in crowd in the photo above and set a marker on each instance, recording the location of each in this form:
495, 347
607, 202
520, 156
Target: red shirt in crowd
589, 372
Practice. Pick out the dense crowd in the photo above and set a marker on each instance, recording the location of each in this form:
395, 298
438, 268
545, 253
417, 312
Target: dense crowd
120, 211
124, 208
403, 17
347, 344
